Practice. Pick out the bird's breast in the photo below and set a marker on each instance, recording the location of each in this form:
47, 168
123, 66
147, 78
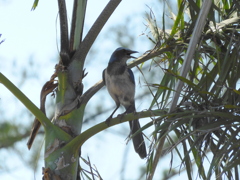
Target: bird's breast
120, 87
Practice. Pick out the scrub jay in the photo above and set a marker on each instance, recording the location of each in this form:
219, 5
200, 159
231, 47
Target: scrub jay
120, 83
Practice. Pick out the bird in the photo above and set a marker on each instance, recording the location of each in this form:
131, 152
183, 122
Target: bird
120, 83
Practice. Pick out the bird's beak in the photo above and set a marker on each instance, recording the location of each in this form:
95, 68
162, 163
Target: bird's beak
131, 52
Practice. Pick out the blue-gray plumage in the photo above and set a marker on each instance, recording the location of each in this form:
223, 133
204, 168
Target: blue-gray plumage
120, 83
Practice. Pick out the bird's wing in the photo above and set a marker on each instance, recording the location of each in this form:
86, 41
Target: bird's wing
103, 76
131, 76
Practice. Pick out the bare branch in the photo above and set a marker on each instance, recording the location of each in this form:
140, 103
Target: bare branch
81, 53
64, 53
78, 16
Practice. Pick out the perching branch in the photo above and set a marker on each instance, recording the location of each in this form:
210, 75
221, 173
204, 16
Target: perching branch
80, 139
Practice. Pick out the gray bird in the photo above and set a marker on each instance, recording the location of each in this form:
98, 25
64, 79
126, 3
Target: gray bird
120, 83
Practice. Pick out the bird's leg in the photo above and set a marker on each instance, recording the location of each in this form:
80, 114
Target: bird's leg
110, 117
120, 116
129, 109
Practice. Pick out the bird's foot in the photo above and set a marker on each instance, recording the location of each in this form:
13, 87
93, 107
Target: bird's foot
108, 121
134, 113
120, 116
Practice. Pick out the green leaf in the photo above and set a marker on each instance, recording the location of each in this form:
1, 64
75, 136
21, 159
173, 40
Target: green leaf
34, 5
178, 19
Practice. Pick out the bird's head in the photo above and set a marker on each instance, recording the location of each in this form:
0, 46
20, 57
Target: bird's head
121, 55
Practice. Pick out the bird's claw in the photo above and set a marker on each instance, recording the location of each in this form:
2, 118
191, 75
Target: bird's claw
108, 121
120, 116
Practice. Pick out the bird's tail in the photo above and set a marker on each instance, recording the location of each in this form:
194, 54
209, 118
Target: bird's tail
138, 141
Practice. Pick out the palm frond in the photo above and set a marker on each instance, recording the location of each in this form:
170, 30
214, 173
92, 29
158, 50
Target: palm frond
206, 118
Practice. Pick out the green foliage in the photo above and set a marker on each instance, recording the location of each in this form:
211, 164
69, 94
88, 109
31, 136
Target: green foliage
9, 134
206, 120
